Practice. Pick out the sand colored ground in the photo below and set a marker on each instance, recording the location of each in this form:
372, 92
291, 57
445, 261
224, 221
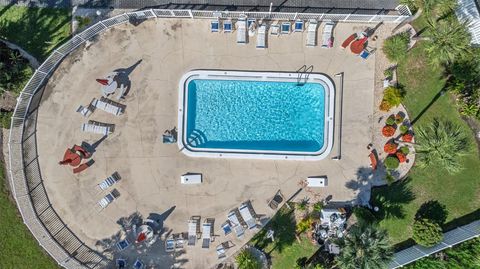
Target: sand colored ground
151, 170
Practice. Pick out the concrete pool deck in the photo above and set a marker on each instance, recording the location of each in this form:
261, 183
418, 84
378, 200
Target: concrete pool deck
151, 170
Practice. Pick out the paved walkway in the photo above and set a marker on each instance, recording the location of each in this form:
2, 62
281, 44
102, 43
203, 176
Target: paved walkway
150, 170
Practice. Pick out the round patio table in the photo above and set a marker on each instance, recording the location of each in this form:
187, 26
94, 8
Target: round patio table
358, 45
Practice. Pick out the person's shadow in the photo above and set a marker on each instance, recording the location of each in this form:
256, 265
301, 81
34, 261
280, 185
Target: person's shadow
122, 78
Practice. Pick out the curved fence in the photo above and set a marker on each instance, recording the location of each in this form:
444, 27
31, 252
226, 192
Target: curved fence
25, 174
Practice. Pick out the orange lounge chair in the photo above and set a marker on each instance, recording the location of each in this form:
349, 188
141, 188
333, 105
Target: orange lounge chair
349, 40
373, 160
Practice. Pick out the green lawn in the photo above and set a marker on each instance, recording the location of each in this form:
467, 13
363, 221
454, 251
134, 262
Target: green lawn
37, 30
286, 249
18, 248
460, 193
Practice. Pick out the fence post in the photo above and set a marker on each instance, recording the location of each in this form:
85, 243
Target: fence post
348, 16
154, 14
374, 17
296, 16
190, 13
171, 13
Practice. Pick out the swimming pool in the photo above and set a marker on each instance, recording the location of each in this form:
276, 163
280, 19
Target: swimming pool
255, 115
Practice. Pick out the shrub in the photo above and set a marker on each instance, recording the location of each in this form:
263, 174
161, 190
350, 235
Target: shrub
401, 157
389, 178
399, 118
246, 260
426, 232
403, 129
392, 162
304, 225
395, 47
5, 119
405, 150
390, 148
388, 73
388, 130
83, 21
384, 106
390, 120
392, 97
408, 137
303, 205
318, 206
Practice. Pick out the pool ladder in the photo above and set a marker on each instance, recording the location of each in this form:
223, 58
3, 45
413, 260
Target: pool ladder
303, 74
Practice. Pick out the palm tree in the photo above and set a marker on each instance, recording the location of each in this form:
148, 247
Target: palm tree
441, 143
364, 247
246, 260
427, 6
448, 41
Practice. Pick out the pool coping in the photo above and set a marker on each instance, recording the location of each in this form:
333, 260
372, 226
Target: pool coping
320, 78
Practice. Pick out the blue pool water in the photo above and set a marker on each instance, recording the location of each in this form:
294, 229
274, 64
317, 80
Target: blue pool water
254, 115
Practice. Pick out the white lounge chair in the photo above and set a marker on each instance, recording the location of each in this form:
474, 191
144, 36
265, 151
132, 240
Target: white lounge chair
286, 28
108, 106
237, 227
312, 33
169, 244
241, 31
98, 127
274, 29
105, 201
298, 26
206, 235
221, 253
109, 181
245, 213
327, 38
192, 231
215, 26
86, 110
261, 42
227, 26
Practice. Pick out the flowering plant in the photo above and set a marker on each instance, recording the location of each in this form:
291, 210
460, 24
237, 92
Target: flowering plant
388, 130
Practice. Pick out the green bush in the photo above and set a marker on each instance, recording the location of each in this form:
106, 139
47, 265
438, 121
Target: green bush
83, 21
395, 47
302, 205
388, 73
403, 129
390, 120
405, 150
393, 96
5, 118
426, 232
246, 260
318, 206
304, 225
389, 178
392, 162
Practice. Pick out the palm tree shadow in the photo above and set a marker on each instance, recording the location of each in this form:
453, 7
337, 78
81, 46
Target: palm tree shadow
391, 199
283, 224
425, 109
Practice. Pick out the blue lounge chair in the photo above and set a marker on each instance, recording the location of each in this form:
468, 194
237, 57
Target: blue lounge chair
215, 26
138, 264
227, 26
122, 245
121, 263
298, 26
227, 228
366, 53
286, 28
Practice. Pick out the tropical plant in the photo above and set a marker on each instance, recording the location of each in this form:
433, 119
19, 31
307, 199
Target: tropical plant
365, 246
448, 40
405, 150
427, 232
388, 131
390, 120
364, 215
403, 129
396, 46
441, 143
246, 260
392, 97
304, 225
388, 73
318, 206
390, 147
392, 162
